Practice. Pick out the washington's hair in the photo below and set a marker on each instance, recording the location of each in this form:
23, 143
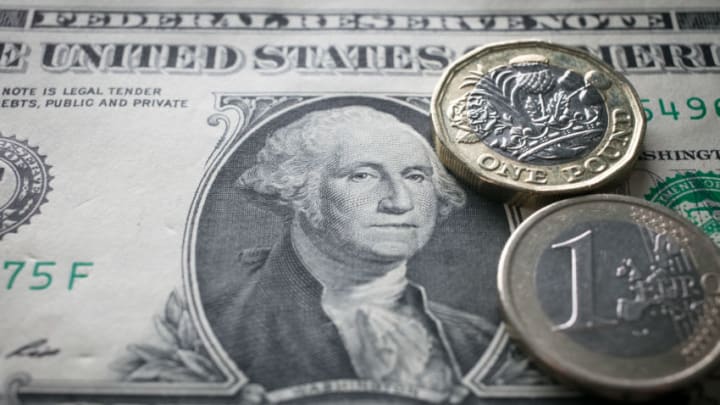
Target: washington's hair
287, 168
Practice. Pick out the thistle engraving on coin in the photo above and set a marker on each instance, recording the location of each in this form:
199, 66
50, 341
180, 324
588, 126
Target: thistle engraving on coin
524, 120
534, 112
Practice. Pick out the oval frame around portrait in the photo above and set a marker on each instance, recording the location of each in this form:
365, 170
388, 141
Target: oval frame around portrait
457, 267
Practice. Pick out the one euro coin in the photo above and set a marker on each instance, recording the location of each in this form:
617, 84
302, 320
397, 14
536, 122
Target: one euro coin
614, 294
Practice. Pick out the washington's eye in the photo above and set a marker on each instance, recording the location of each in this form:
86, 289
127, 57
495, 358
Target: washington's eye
359, 176
417, 177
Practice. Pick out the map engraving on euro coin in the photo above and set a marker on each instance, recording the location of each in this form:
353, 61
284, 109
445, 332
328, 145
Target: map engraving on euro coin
24, 183
614, 293
528, 119
652, 294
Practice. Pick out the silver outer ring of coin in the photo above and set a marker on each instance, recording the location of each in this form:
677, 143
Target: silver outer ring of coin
462, 159
531, 327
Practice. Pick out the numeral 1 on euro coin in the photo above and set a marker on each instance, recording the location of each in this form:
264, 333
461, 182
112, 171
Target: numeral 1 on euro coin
583, 314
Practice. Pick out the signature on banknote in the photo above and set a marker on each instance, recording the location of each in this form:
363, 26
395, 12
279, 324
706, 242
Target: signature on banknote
36, 349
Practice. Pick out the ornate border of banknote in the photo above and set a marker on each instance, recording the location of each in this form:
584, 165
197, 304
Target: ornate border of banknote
192, 353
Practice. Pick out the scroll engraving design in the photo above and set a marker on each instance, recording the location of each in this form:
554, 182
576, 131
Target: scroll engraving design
239, 113
181, 358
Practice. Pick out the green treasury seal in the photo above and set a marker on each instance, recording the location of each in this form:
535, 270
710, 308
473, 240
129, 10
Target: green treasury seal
24, 183
696, 196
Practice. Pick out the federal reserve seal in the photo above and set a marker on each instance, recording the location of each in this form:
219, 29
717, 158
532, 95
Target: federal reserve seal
24, 183
694, 195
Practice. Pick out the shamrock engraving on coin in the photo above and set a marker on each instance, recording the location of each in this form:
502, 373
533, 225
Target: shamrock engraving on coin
613, 293
529, 119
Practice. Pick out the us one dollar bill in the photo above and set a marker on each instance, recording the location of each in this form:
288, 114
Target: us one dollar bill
239, 203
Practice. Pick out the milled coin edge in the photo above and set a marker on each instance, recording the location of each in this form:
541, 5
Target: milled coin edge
606, 386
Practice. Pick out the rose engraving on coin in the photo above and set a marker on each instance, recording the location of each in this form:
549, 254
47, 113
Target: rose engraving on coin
525, 121
613, 293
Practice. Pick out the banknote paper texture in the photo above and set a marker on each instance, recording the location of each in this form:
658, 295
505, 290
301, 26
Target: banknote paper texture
240, 203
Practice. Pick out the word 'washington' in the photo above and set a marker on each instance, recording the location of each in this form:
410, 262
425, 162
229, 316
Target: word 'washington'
680, 154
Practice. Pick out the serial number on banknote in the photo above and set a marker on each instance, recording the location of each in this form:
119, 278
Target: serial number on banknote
41, 275
695, 108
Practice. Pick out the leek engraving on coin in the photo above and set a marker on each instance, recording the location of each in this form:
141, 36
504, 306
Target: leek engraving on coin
535, 112
641, 288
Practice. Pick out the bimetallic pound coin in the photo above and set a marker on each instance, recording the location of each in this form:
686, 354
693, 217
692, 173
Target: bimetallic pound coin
613, 293
531, 121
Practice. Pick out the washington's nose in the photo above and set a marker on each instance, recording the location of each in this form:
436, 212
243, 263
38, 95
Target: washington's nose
397, 199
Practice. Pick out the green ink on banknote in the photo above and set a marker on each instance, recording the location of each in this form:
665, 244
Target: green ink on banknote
18, 266
695, 195
74, 273
41, 275
694, 108
46, 276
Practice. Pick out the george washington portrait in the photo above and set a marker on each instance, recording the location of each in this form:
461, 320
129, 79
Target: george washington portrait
332, 292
